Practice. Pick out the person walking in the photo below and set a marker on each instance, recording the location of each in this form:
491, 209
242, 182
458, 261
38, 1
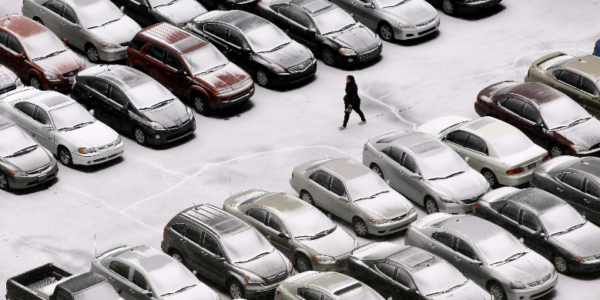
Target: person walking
352, 102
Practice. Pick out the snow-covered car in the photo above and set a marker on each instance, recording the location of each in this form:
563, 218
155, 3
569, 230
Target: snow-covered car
315, 285
149, 12
452, 7
425, 170
8, 80
394, 19
487, 254
297, 229
62, 125
499, 151
355, 194
23, 161
97, 27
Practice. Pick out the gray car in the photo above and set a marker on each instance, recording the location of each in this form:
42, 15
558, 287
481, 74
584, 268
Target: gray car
143, 273
425, 170
103, 36
355, 194
486, 254
297, 229
314, 285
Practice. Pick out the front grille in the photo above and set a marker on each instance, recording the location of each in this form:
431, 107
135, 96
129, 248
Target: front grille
472, 200
540, 282
71, 74
427, 31
126, 44
301, 66
370, 55
179, 123
8, 89
275, 279
426, 22
38, 170
396, 219
341, 263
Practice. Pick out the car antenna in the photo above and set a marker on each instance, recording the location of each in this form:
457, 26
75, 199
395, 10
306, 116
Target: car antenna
95, 248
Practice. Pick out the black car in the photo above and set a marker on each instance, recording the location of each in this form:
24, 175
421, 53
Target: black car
324, 28
132, 102
452, 7
547, 225
257, 46
8, 80
149, 12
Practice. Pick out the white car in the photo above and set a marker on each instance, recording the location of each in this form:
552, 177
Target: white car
97, 27
62, 125
501, 152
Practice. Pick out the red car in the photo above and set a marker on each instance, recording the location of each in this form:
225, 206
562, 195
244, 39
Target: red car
36, 54
548, 117
190, 67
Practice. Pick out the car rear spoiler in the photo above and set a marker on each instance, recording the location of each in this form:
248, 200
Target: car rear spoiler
499, 193
242, 196
431, 219
385, 134
546, 58
497, 87
112, 251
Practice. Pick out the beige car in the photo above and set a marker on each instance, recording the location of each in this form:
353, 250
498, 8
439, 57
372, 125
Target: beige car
578, 77
324, 286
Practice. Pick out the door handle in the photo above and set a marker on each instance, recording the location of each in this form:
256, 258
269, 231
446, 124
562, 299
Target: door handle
432, 245
146, 62
559, 189
586, 200
457, 259
183, 241
89, 95
203, 253
131, 290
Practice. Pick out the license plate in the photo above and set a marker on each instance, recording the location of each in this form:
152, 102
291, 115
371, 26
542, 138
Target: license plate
531, 166
71, 80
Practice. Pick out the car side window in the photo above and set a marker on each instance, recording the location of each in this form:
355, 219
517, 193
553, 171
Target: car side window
530, 221
137, 43
573, 180
211, 245
193, 234
55, 6
531, 114
443, 238
3, 37
589, 87
276, 224
394, 153
465, 249
236, 38
458, 137
569, 78
403, 278
156, 51
475, 143
179, 228
387, 269
42, 116
592, 188
100, 87
139, 280
26, 108
514, 105
511, 211
258, 214
410, 164
14, 45
119, 268
216, 30
69, 14
337, 187
309, 294
173, 61
300, 17
118, 97
321, 177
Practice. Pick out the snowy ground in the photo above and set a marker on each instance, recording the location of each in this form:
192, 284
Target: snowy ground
257, 145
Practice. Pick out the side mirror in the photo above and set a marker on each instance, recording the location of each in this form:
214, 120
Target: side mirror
597, 98
540, 234
220, 258
539, 125
415, 176
182, 72
146, 293
342, 198
388, 182
311, 31
20, 56
122, 8
283, 235
66, 40
370, 5
467, 159
47, 127
92, 112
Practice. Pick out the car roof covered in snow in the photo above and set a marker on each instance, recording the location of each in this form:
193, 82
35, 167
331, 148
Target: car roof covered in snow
220, 222
346, 168
174, 37
21, 26
536, 200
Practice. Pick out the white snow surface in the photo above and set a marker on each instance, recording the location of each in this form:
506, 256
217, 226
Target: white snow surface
131, 199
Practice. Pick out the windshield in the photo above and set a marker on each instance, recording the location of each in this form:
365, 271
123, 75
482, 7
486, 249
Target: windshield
103, 291
308, 222
390, 3
70, 116
557, 114
147, 95
19, 140
443, 165
511, 143
500, 247
169, 276
438, 278
246, 245
204, 59
51, 45
333, 20
89, 17
561, 219
266, 38
366, 186
155, 3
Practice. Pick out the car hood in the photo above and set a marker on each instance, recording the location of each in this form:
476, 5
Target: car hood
225, 77
469, 291
30, 161
62, 63
267, 266
121, 31
181, 11
528, 268
288, 56
385, 206
585, 134
200, 291
582, 242
335, 244
357, 37
93, 135
462, 186
170, 115
413, 11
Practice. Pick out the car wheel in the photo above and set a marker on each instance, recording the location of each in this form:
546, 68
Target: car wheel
35, 83
556, 151
377, 170
448, 7
140, 136
560, 264
360, 227
200, 104
431, 206
386, 32
3, 182
491, 178
221, 7
303, 263
236, 290
328, 56
304, 195
65, 156
177, 256
497, 291
92, 53
262, 77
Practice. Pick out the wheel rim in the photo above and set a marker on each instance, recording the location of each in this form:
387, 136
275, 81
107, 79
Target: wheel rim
306, 197
448, 7
431, 207
360, 228
555, 151
93, 54
490, 178
35, 83
302, 264
235, 291
496, 292
262, 79
377, 170
3, 182
177, 257
328, 57
65, 158
560, 264
221, 7
386, 32
139, 136
199, 103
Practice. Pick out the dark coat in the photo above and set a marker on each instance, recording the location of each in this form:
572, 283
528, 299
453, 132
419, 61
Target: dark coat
351, 97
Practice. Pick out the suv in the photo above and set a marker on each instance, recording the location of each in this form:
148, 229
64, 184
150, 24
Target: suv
227, 250
190, 67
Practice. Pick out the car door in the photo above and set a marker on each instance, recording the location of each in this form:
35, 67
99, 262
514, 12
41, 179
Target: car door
192, 239
216, 33
119, 107
568, 82
441, 244
71, 28
468, 261
592, 209
512, 110
235, 48
386, 285
52, 15
509, 218
591, 100
340, 207
154, 63
318, 185
44, 129
457, 140
275, 226
404, 285
300, 27
365, 12
392, 168
531, 230
214, 257
175, 69
21, 63
571, 190
139, 285
118, 277
533, 125
477, 152
139, 11
98, 101
281, 16
414, 186
24, 114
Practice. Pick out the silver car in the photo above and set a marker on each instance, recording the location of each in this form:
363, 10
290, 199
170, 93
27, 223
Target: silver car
297, 229
97, 27
355, 194
143, 273
425, 170
324, 286
486, 254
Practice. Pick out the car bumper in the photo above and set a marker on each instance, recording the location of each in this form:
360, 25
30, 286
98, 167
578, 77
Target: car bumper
289, 78
160, 137
475, 6
97, 157
58, 86
533, 293
413, 33
456, 209
393, 227
584, 267
338, 266
22, 182
360, 57
228, 100
112, 54
255, 290
515, 180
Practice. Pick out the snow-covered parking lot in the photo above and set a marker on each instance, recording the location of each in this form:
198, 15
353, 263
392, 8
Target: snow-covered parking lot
130, 200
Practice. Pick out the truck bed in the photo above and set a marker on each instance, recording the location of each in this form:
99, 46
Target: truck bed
30, 285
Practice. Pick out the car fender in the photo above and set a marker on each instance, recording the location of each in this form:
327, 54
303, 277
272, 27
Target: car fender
36, 73
198, 89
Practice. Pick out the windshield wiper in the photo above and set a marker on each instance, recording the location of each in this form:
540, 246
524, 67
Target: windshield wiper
446, 177
276, 48
212, 69
161, 104
23, 151
401, 2
110, 21
49, 55
580, 120
254, 258
372, 196
166, 4
179, 290
511, 258
341, 29
449, 290
568, 229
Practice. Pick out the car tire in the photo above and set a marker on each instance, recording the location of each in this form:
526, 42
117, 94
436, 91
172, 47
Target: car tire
177, 256
556, 151
560, 264
431, 206
360, 227
377, 170
328, 56
491, 178
92, 53
35, 83
140, 136
235, 289
262, 77
386, 32
305, 196
200, 104
64, 155
4, 182
38, 20
303, 263
497, 291
449, 7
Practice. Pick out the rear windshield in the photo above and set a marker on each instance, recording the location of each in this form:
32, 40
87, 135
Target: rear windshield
511, 143
52, 45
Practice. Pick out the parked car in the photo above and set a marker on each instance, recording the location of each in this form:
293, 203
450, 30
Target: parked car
273, 61
49, 282
314, 285
547, 225
425, 170
226, 250
452, 7
297, 229
62, 126
102, 36
576, 180
150, 12
142, 272
23, 161
597, 49
8, 80
548, 117
487, 254
132, 102
354, 193
577, 77
36, 55
441, 126
394, 19
501, 152
190, 67
327, 30
405, 272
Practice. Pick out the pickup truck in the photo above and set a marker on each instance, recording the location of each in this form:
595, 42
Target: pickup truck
49, 282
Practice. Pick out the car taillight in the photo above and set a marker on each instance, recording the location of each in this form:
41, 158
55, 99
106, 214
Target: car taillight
292, 174
514, 171
365, 147
278, 290
595, 46
532, 175
257, 2
476, 205
165, 230
545, 158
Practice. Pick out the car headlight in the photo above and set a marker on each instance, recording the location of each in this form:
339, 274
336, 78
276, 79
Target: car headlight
579, 149
379, 222
324, 259
156, 126
277, 68
377, 39
189, 111
83, 65
253, 279
411, 211
17, 173
448, 200
18, 83
347, 51
588, 258
515, 285
405, 25
110, 46
50, 76
86, 150
118, 141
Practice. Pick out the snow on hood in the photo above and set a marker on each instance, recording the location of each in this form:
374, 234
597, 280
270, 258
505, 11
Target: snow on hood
528, 268
225, 77
169, 115
266, 266
469, 291
335, 244
582, 242
7, 77
385, 206
586, 134
118, 32
357, 37
30, 161
413, 11
181, 11
462, 186
288, 56
94, 135
62, 63
198, 292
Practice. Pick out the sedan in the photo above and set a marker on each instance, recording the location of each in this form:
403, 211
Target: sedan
499, 151
297, 229
426, 170
103, 36
142, 273
485, 253
576, 180
324, 286
131, 101
23, 161
405, 272
394, 19
452, 7
324, 28
149, 12
8, 80
547, 116
355, 194
62, 126
273, 61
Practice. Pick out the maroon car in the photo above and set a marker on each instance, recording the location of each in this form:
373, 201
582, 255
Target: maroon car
190, 67
550, 118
